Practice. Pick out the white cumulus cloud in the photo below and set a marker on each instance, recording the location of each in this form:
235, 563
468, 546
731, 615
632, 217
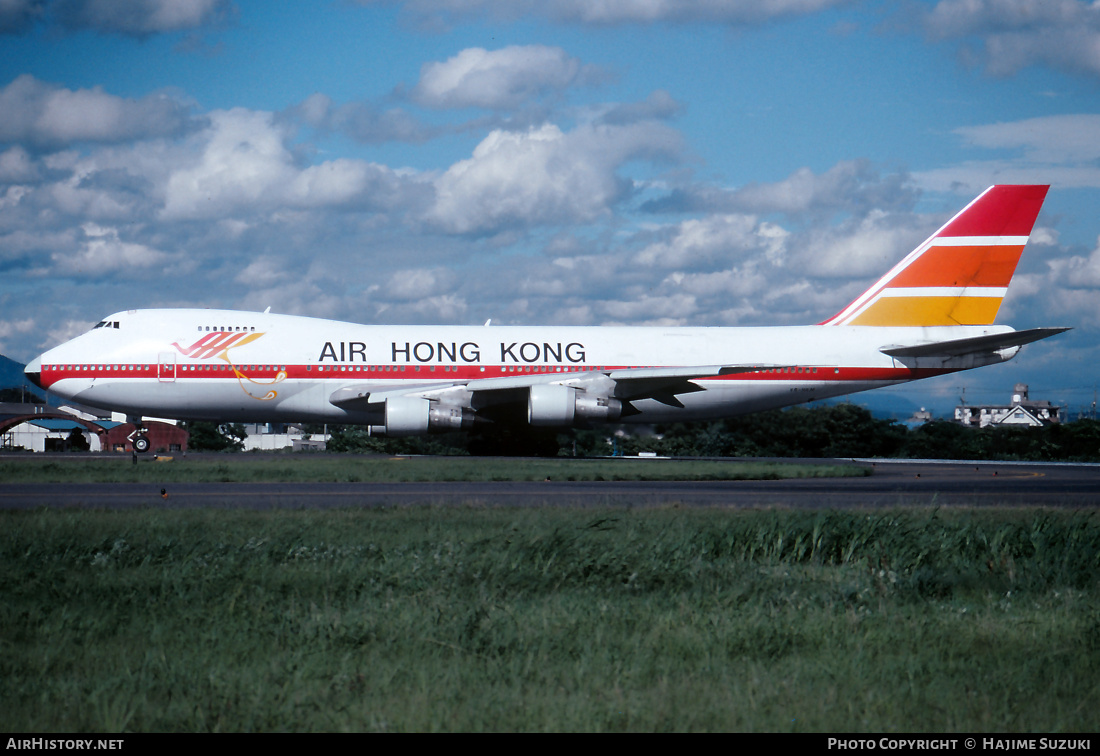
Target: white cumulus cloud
699, 242
1068, 138
18, 15
139, 17
612, 12
1060, 150
1015, 34
102, 252
543, 175
41, 114
243, 163
496, 79
243, 159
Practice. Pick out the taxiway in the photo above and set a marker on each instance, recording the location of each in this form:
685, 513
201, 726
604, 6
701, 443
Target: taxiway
891, 483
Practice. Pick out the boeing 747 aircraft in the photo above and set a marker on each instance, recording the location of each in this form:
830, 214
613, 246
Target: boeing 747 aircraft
930, 315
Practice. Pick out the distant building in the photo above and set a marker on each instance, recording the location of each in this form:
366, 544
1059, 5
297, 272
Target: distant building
37, 427
1021, 411
919, 418
277, 436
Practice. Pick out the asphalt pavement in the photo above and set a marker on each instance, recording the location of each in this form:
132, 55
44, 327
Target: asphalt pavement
891, 483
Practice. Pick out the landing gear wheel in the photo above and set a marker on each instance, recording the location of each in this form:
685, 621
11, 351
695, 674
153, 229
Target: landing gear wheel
141, 444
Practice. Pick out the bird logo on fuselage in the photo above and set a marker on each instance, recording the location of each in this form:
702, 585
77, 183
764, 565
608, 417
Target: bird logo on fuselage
217, 344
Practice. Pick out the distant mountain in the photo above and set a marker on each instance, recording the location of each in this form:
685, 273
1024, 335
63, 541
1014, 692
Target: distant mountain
12, 379
894, 405
11, 374
890, 406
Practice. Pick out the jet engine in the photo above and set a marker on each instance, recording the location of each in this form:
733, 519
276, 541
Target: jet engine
562, 406
413, 416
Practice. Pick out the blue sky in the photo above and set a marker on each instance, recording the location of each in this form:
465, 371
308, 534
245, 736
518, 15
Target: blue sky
710, 162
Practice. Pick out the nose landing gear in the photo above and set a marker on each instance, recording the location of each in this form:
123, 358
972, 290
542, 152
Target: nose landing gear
139, 441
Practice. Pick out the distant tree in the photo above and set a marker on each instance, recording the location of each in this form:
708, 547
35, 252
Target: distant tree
839, 430
514, 440
214, 437
843, 430
584, 442
943, 439
852, 431
357, 439
353, 438
77, 441
1078, 440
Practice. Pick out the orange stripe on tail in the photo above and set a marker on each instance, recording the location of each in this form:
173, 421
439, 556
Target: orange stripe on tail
960, 274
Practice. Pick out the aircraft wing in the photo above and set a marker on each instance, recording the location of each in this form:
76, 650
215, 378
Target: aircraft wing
977, 345
626, 383
359, 395
662, 383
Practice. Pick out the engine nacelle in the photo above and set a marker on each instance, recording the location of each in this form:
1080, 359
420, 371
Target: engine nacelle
413, 416
554, 405
551, 404
407, 416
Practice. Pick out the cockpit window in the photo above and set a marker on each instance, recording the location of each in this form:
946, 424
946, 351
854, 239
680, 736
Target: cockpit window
106, 324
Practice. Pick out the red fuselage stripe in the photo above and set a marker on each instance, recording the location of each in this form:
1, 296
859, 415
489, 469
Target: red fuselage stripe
51, 374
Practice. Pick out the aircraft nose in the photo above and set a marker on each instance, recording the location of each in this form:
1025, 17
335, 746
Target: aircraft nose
33, 371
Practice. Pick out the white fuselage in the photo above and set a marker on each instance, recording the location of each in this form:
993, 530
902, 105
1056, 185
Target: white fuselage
242, 366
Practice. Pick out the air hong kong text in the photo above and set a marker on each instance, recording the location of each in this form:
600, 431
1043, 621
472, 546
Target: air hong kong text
515, 352
470, 352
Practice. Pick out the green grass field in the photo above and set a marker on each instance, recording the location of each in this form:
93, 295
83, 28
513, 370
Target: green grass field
549, 620
310, 468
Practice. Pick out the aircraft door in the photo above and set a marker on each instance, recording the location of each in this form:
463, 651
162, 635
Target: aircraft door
166, 367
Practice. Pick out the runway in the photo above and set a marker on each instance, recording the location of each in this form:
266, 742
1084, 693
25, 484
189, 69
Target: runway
891, 483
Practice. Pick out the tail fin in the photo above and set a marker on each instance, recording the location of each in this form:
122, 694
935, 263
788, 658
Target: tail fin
960, 274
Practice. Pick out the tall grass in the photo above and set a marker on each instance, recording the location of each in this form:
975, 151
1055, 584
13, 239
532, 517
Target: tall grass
503, 619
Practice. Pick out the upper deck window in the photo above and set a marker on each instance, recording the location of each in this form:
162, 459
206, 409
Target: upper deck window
225, 329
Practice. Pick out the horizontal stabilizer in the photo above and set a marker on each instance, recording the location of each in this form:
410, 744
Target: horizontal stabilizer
976, 345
